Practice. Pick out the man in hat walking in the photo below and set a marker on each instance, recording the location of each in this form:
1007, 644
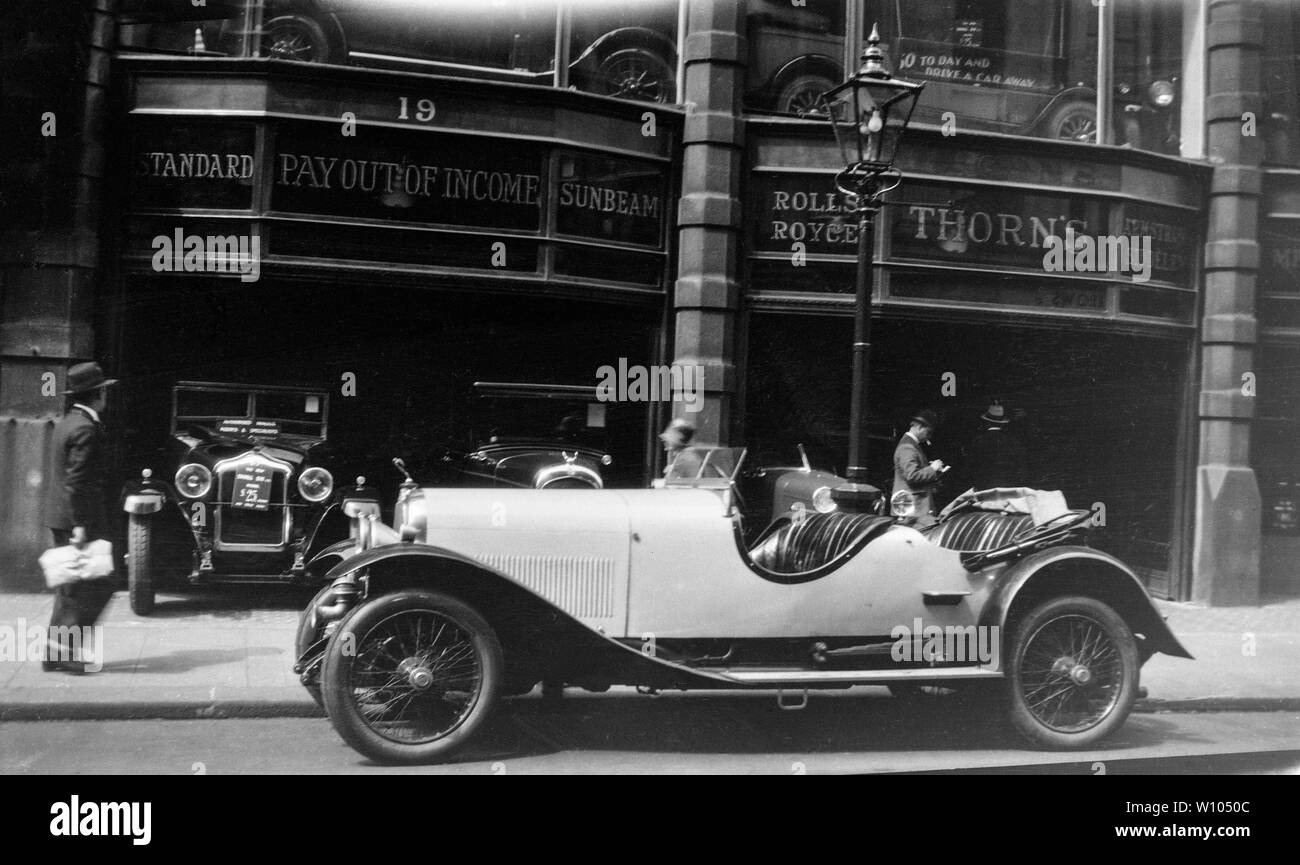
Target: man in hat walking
913, 473
74, 503
996, 457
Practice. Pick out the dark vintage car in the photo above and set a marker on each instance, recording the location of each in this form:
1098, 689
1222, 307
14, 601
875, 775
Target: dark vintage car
535, 436
247, 494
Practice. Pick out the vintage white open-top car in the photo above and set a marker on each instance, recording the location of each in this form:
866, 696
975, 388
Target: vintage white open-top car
484, 593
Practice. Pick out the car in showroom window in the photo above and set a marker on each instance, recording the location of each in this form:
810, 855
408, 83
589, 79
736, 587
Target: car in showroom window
243, 492
1028, 68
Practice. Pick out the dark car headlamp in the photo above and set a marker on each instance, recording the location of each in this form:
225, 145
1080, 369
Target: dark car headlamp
193, 480
822, 501
315, 484
1162, 93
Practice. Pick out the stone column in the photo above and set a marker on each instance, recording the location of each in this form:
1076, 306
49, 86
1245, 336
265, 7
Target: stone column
49, 252
706, 296
1225, 557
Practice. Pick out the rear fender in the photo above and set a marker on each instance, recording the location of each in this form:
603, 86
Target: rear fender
1075, 570
540, 640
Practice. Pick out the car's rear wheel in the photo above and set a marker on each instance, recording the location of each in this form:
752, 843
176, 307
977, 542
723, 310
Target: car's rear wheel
295, 37
139, 563
635, 73
409, 677
1072, 673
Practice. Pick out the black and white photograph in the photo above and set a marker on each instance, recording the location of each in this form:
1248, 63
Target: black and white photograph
651, 387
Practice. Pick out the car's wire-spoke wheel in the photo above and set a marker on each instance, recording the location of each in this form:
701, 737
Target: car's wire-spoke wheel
1073, 673
635, 73
294, 37
410, 676
802, 96
1074, 121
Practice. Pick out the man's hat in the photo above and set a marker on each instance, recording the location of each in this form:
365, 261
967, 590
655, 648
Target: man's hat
85, 377
927, 417
995, 414
678, 433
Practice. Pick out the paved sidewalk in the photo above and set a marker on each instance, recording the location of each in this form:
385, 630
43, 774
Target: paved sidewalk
229, 653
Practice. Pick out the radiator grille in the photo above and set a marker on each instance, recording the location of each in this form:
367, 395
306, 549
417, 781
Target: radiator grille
582, 586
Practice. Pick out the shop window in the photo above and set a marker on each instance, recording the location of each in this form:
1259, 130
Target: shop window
1019, 67
1280, 124
515, 40
796, 53
1148, 75
219, 28
1024, 68
625, 48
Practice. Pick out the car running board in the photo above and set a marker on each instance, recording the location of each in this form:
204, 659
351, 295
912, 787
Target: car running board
866, 677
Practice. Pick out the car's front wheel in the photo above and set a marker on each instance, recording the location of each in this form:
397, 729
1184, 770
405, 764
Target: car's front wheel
1072, 673
802, 95
409, 677
139, 563
1073, 121
309, 631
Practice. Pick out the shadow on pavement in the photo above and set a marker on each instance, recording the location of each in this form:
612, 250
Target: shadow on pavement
747, 724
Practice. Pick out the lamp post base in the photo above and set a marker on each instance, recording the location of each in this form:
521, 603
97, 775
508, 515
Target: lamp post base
856, 498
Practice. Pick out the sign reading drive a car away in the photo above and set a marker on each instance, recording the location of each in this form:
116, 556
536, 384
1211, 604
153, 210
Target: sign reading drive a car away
252, 490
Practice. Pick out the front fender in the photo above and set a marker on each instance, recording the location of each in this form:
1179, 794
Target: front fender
1076, 570
341, 550
540, 640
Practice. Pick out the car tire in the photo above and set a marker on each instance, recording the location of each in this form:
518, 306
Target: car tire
1073, 121
635, 73
1073, 655
139, 563
309, 630
801, 95
369, 642
297, 38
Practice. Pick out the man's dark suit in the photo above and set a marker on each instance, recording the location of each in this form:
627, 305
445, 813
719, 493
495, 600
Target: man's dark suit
75, 497
997, 459
912, 472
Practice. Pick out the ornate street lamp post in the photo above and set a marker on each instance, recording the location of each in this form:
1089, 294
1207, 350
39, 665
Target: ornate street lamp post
869, 113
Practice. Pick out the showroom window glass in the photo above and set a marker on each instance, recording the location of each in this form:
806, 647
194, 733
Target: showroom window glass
219, 28
621, 48
1018, 67
1280, 124
796, 53
624, 48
